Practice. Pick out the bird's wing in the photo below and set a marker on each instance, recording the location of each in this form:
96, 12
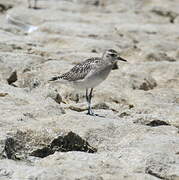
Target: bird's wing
79, 71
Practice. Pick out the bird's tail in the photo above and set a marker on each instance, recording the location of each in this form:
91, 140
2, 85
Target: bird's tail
22, 25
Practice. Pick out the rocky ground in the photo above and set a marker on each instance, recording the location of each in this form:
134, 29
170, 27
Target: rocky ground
44, 131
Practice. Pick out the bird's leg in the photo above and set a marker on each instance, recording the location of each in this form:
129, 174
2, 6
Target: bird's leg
90, 95
90, 111
88, 99
87, 95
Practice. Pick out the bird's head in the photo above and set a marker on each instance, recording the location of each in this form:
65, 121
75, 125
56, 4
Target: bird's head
112, 56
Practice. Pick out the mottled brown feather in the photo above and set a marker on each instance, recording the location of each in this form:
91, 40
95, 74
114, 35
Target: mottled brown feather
79, 71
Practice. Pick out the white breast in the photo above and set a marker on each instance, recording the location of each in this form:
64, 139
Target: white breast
94, 78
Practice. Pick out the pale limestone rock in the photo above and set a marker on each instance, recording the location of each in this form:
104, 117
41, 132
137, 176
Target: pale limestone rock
141, 92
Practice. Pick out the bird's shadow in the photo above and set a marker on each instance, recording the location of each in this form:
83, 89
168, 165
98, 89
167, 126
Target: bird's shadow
36, 8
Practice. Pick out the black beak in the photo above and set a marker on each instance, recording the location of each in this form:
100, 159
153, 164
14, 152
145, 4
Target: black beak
121, 59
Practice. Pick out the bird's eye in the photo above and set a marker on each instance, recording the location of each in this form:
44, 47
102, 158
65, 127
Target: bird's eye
113, 55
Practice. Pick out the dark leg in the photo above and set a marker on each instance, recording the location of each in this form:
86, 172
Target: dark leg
87, 95
88, 98
88, 101
90, 95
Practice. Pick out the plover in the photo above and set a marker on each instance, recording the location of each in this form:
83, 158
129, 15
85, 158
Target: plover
90, 73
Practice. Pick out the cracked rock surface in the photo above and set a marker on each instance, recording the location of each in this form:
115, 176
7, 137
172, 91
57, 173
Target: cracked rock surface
45, 133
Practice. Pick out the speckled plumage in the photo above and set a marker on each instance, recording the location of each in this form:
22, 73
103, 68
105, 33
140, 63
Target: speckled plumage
90, 73
79, 71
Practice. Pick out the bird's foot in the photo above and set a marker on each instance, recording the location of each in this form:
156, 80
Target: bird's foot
91, 112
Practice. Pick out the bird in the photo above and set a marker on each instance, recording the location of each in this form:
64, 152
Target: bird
90, 73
